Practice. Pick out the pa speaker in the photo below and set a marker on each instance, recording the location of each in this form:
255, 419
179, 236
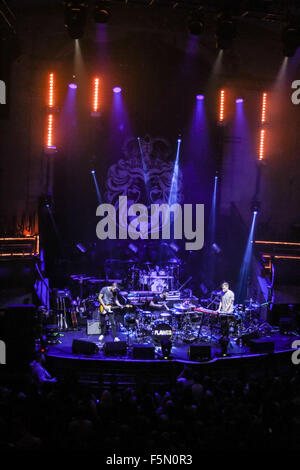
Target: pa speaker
84, 347
199, 352
143, 351
112, 348
261, 345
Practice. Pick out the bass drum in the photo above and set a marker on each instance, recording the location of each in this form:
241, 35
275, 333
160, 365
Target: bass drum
161, 331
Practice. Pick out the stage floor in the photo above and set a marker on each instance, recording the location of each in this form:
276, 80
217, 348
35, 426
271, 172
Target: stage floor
179, 350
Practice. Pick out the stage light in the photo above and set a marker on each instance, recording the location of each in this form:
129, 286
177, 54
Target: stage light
245, 270
46, 201
81, 247
73, 83
117, 89
75, 13
290, 39
50, 148
174, 247
239, 100
195, 22
93, 172
95, 103
261, 150
199, 97
264, 108
51, 96
225, 32
133, 248
101, 13
255, 205
222, 105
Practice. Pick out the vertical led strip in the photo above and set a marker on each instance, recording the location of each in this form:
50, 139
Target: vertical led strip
222, 106
51, 91
50, 147
50, 131
262, 132
263, 108
261, 144
95, 97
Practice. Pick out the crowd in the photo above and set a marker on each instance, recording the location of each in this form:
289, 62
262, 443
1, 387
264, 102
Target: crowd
195, 413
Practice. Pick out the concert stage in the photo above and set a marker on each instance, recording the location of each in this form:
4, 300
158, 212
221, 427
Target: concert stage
128, 370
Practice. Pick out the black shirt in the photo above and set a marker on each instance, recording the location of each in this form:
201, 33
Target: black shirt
157, 299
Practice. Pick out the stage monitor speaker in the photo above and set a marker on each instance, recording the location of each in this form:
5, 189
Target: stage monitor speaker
143, 351
93, 327
84, 347
199, 352
118, 348
261, 345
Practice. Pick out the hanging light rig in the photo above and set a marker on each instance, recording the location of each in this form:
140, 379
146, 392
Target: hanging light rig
50, 115
262, 132
95, 111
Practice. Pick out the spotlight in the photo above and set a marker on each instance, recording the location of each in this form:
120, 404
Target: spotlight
46, 201
73, 84
117, 89
133, 248
93, 172
225, 32
75, 17
101, 14
239, 100
195, 22
81, 247
199, 97
290, 40
174, 247
216, 248
166, 346
255, 206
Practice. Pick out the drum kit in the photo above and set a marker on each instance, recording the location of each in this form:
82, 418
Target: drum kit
185, 322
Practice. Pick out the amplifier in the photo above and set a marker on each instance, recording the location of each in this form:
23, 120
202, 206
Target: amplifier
92, 327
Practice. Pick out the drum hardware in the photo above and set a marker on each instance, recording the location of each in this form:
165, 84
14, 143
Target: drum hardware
131, 325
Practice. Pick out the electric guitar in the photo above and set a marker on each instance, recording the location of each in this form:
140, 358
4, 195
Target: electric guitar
111, 308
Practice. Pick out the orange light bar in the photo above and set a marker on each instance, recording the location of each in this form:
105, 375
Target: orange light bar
277, 243
263, 108
261, 151
17, 238
51, 91
95, 104
281, 256
222, 106
49, 142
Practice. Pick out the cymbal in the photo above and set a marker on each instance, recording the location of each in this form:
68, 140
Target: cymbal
80, 277
181, 307
216, 292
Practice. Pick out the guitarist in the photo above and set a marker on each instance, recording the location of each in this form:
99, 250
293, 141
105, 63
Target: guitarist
108, 298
